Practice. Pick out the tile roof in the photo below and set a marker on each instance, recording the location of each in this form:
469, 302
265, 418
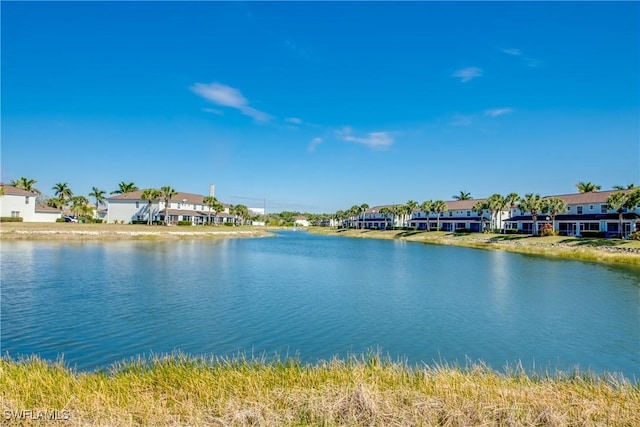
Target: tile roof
179, 197
15, 191
587, 198
47, 208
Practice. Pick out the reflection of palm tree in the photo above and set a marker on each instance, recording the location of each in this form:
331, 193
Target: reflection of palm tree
98, 195
150, 194
587, 187
166, 193
463, 196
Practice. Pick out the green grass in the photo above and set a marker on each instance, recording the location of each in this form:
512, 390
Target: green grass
368, 390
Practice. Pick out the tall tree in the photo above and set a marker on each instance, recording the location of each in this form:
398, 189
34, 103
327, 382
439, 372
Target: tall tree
63, 192
150, 195
412, 206
624, 187
496, 204
532, 203
362, 210
439, 207
125, 187
166, 193
98, 195
426, 208
463, 196
512, 200
79, 205
214, 205
587, 187
479, 208
622, 201
25, 184
553, 206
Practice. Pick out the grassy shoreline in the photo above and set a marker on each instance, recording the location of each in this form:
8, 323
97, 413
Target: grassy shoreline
179, 390
585, 249
73, 231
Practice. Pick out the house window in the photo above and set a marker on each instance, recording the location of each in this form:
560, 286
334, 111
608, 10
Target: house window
15, 214
603, 208
137, 205
579, 210
450, 213
194, 207
26, 200
590, 207
468, 213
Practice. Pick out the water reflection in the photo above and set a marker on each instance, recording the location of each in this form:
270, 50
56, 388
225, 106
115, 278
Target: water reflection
318, 296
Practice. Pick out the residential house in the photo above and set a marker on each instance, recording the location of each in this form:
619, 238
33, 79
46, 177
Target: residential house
301, 221
586, 212
20, 203
131, 207
459, 216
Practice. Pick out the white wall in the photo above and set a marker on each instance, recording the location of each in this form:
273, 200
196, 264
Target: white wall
10, 202
127, 211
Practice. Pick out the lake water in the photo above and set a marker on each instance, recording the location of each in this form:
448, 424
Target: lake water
315, 297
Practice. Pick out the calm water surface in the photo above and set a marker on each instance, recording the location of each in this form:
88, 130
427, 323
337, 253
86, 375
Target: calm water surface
316, 296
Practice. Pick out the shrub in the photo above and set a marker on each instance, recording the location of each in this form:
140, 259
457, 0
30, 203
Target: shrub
591, 233
635, 235
98, 220
463, 230
60, 220
511, 231
11, 219
228, 224
547, 230
185, 223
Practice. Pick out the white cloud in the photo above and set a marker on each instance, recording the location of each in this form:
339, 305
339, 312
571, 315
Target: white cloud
514, 52
495, 112
460, 120
228, 96
212, 111
314, 143
468, 73
376, 140
294, 120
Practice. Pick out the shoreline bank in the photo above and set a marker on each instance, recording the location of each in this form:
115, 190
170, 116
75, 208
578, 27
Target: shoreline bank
367, 390
585, 249
110, 232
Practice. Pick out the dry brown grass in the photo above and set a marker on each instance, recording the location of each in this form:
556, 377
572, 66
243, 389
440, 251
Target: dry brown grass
178, 390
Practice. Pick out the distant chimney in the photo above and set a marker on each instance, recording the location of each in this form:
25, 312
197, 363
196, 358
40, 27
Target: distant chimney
212, 190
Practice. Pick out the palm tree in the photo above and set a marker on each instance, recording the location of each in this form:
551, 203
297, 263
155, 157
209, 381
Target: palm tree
125, 187
587, 187
25, 184
63, 193
622, 201
496, 204
439, 206
241, 211
622, 187
2, 191
532, 203
463, 196
79, 205
98, 195
512, 199
412, 206
479, 208
426, 208
209, 202
166, 193
150, 195
554, 206
363, 209
398, 212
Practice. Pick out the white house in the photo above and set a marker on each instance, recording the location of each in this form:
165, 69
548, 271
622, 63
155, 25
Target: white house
17, 202
459, 216
131, 207
586, 212
301, 221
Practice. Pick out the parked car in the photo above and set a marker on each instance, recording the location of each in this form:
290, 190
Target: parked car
70, 219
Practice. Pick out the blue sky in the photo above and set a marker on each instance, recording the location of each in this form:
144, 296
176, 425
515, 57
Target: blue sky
319, 106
